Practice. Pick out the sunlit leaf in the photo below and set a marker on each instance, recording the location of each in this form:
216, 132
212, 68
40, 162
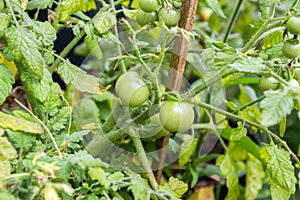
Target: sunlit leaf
238, 133
275, 106
178, 186
272, 39
104, 20
216, 7
249, 64
19, 124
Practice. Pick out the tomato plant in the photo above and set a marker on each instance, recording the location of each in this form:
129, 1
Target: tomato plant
176, 116
131, 89
96, 105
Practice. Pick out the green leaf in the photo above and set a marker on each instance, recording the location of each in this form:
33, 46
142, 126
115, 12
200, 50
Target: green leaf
265, 7
104, 21
19, 124
99, 175
46, 33
228, 170
280, 169
8, 152
39, 88
187, 149
59, 121
39, 4
249, 65
69, 72
275, 106
6, 81
53, 101
138, 187
254, 177
216, 7
25, 115
177, 186
4, 23
282, 127
5, 194
67, 8
238, 133
278, 193
24, 45
272, 39
21, 139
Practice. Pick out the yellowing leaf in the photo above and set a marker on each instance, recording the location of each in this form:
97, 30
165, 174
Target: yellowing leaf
254, 177
177, 186
19, 124
6, 81
187, 149
238, 133
206, 193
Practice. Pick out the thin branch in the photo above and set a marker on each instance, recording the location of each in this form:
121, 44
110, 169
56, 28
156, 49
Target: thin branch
45, 127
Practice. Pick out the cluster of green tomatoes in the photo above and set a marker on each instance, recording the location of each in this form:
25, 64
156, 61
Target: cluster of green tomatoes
173, 116
290, 49
151, 11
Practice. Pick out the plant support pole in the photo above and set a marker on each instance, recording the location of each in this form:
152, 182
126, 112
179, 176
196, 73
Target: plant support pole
177, 64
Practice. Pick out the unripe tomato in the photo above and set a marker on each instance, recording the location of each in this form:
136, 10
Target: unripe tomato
268, 83
144, 18
131, 89
170, 18
293, 25
148, 5
297, 74
176, 116
291, 48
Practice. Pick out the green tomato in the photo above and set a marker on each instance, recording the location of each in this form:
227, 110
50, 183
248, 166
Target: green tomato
268, 83
132, 89
297, 74
170, 18
291, 48
293, 25
148, 5
176, 116
144, 18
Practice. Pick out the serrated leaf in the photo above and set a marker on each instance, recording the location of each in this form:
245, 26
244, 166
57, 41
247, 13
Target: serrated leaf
116, 176
39, 4
238, 133
25, 115
6, 81
272, 39
21, 139
138, 186
187, 149
249, 64
19, 124
178, 186
69, 72
7, 149
216, 7
275, 106
278, 193
53, 101
280, 169
254, 177
59, 121
265, 7
24, 46
46, 32
104, 21
4, 22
